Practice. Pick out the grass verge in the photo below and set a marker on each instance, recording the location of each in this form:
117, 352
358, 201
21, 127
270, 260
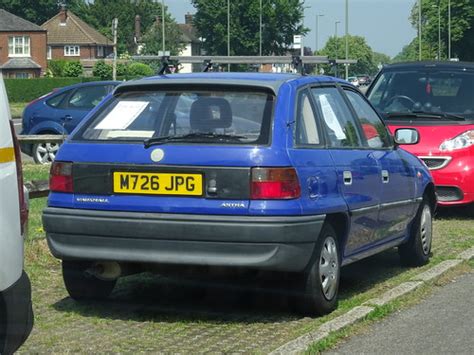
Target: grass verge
16, 108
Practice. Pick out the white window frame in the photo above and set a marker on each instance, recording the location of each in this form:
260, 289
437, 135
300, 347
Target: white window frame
19, 46
49, 53
100, 51
72, 51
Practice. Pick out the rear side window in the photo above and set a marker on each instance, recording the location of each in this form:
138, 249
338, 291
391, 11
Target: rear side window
307, 132
338, 121
222, 116
87, 97
56, 101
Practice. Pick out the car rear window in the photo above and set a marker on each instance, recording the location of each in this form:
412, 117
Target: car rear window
140, 115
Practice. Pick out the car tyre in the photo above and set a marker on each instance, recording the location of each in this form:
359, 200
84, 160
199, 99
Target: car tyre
45, 152
82, 285
321, 281
416, 251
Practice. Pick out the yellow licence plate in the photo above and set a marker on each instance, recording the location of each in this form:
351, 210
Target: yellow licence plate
158, 183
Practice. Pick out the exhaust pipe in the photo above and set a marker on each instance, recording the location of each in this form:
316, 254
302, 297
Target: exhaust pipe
105, 270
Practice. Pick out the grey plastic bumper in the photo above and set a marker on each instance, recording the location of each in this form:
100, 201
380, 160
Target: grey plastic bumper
275, 243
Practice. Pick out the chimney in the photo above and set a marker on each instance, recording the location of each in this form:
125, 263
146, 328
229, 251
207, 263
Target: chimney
137, 28
188, 19
63, 14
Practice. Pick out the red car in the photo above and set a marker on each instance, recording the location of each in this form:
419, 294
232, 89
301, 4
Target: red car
436, 98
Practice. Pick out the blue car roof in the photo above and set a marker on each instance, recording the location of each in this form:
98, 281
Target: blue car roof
267, 80
89, 83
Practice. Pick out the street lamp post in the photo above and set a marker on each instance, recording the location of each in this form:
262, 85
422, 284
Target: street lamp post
163, 24
317, 31
449, 29
347, 38
228, 32
439, 29
335, 40
419, 29
260, 28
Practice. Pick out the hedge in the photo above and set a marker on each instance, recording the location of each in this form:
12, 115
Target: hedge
25, 90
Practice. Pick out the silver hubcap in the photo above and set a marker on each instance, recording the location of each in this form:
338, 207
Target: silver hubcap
426, 229
329, 268
46, 152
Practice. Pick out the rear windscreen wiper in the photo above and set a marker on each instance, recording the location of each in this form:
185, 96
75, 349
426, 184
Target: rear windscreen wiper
193, 137
423, 114
449, 116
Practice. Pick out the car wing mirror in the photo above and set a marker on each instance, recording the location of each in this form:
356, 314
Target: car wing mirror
406, 136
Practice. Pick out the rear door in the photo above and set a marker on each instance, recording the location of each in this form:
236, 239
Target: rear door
397, 178
358, 172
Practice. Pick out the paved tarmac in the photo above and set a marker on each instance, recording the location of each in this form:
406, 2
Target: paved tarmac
441, 324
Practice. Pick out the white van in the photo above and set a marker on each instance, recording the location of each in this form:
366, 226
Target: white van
16, 315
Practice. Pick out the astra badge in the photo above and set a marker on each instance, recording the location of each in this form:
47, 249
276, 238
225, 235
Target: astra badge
233, 205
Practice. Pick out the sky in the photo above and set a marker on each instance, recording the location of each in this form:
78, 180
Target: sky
384, 23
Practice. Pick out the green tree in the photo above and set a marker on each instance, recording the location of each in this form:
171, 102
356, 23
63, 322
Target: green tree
153, 43
140, 69
358, 49
102, 70
281, 20
462, 28
39, 11
409, 53
100, 14
73, 69
381, 58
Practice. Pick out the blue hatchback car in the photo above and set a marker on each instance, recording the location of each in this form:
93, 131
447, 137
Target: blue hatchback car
59, 112
286, 173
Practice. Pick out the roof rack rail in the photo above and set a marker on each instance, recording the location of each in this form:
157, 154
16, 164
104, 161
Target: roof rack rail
298, 62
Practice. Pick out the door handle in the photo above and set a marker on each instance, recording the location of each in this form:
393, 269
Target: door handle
67, 118
347, 177
385, 176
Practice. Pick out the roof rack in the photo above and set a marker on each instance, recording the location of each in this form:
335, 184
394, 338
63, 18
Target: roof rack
298, 62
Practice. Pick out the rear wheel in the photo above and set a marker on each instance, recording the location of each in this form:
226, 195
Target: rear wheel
45, 152
82, 285
321, 282
416, 251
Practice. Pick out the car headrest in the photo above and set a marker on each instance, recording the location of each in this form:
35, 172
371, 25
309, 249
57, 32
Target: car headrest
209, 113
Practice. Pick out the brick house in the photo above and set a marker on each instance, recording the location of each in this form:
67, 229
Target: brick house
22, 47
71, 38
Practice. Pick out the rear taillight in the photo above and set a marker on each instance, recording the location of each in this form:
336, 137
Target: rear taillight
60, 177
19, 173
274, 184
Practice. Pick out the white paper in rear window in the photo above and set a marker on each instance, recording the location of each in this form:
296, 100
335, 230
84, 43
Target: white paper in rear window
122, 115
